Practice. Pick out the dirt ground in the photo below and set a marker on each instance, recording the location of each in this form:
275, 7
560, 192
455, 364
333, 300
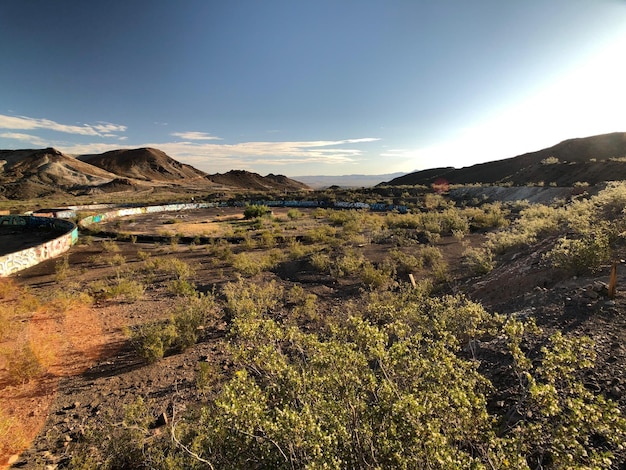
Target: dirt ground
96, 369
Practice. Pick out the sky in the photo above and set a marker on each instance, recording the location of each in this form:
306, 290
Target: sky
319, 87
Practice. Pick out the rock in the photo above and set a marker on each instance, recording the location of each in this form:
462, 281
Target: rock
14, 458
616, 392
161, 420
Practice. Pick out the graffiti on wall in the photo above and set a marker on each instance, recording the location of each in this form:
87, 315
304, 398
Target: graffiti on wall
14, 262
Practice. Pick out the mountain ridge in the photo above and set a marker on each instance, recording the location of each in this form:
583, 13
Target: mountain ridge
591, 159
37, 173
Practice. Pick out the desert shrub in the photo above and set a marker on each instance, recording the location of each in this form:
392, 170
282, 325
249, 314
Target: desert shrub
110, 246
294, 214
363, 398
321, 234
440, 271
609, 205
430, 256
534, 221
22, 364
127, 441
272, 259
566, 425
179, 268
247, 264
12, 438
221, 250
74, 296
347, 264
250, 299
248, 242
393, 220
182, 287
7, 288
305, 308
321, 262
550, 161
581, 255
116, 260
189, 320
376, 277
151, 341
143, 255
207, 376
297, 250
267, 239
253, 211
389, 384
478, 260
405, 262
62, 268
487, 216
119, 287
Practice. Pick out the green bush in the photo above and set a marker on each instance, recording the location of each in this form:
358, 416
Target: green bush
253, 211
582, 255
294, 214
153, 340
478, 260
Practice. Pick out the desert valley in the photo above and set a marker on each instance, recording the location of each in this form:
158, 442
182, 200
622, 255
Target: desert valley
447, 318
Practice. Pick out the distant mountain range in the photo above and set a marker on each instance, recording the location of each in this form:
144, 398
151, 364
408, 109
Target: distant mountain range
34, 173
346, 181
591, 159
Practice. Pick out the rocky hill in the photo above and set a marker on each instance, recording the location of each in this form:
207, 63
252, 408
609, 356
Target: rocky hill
36, 173
247, 180
26, 174
591, 159
145, 164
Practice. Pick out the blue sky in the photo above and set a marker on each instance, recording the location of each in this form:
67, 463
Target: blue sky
323, 87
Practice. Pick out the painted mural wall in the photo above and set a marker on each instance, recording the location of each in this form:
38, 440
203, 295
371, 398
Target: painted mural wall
94, 219
14, 262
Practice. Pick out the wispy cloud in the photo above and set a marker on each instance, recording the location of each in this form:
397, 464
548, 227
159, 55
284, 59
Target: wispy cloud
100, 129
245, 155
195, 136
31, 139
195, 148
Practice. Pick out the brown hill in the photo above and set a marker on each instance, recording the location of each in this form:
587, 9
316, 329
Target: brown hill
27, 174
145, 164
591, 159
34, 173
254, 181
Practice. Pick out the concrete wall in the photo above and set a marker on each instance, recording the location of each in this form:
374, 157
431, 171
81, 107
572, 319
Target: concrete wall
95, 219
14, 262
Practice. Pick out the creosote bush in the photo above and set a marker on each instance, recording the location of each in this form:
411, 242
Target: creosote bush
387, 388
254, 211
581, 255
153, 341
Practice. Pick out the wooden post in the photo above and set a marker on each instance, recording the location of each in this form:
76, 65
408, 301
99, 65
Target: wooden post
412, 279
613, 280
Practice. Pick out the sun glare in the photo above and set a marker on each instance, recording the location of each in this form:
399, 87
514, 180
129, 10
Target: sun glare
587, 100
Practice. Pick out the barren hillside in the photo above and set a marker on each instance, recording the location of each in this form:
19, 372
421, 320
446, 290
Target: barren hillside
146, 164
592, 159
42, 172
247, 180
